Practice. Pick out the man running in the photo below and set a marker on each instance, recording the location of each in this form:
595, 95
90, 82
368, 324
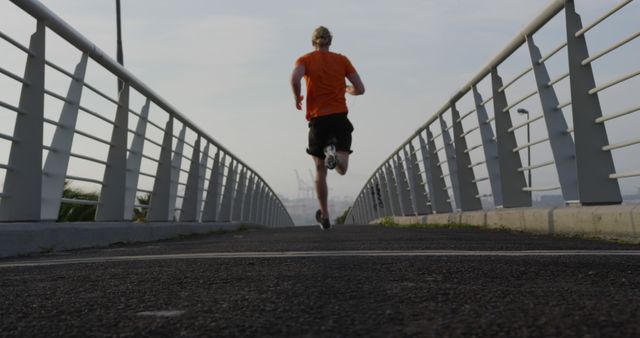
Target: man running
329, 128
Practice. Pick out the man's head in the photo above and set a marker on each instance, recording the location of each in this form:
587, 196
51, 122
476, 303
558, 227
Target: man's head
321, 37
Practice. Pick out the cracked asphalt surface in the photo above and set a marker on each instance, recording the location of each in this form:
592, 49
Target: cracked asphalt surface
390, 296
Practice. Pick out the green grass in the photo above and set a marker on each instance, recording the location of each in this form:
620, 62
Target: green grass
388, 221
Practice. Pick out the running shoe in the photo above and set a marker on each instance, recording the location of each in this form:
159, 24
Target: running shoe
330, 158
324, 223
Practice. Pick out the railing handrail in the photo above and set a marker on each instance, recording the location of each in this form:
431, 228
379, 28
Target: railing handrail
581, 150
122, 170
75, 38
540, 20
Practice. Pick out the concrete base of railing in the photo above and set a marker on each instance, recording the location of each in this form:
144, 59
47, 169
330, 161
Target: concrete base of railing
611, 222
27, 238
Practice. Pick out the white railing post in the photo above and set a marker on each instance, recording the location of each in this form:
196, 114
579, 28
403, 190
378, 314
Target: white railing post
176, 166
204, 159
387, 210
392, 190
159, 210
435, 178
190, 207
512, 180
402, 187
377, 199
369, 208
562, 146
134, 161
257, 218
238, 203
247, 211
593, 164
373, 199
57, 162
113, 193
23, 180
450, 152
490, 148
210, 212
468, 188
418, 192
227, 196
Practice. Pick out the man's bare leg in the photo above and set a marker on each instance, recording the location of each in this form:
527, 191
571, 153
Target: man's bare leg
343, 162
321, 185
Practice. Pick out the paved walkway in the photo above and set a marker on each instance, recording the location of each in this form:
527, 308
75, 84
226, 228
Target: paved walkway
351, 281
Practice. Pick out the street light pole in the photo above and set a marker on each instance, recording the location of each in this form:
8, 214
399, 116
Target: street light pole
526, 112
119, 42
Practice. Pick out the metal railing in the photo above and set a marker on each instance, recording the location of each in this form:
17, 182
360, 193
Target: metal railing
478, 160
189, 176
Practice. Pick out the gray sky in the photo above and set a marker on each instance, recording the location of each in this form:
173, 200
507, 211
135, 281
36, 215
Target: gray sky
226, 64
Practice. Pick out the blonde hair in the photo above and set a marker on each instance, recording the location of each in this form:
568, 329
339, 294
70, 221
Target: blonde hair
321, 37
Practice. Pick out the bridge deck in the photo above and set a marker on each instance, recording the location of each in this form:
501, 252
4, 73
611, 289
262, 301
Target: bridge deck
358, 280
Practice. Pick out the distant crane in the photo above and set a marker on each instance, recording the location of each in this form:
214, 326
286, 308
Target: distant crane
312, 176
304, 190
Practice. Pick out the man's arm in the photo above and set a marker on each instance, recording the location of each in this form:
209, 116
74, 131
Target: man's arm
296, 77
357, 87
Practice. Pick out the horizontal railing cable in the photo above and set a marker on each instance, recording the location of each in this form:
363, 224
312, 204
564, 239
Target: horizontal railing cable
552, 53
530, 144
625, 175
8, 137
59, 69
520, 100
84, 179
618, 114
518, 77
16, 44
11, 107
621, 144
96, 115
465, 115
101, 94
614, 82
472, 148
79, 201
14, 76
523, 124
58, 96
536, 166
602, 18
558, 79
610, 49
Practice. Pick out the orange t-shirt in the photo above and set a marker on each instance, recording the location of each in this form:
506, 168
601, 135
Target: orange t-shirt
324, 75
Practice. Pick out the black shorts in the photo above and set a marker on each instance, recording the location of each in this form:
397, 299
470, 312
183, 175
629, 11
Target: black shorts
331, 129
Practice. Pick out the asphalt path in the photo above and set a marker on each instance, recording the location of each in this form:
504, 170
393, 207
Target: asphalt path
350, 281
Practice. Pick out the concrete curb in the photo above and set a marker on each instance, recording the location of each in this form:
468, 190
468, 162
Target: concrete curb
26, 238
609, 222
